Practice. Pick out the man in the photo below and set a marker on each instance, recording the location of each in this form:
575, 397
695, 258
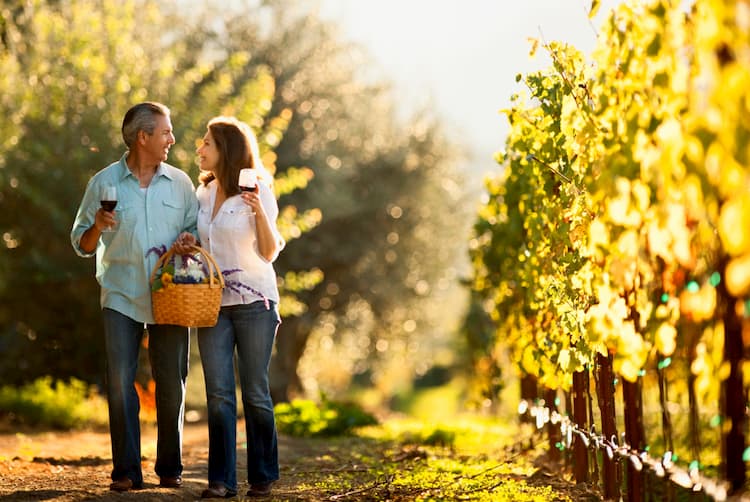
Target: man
155, 203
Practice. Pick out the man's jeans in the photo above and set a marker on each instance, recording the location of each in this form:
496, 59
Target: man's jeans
252, 329
168, 349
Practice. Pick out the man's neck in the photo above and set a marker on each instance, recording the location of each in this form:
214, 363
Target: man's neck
141, 167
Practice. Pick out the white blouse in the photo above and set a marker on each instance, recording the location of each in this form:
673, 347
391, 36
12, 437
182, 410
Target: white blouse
232, 241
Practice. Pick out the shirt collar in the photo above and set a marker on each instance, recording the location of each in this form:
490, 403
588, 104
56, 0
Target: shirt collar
125, 170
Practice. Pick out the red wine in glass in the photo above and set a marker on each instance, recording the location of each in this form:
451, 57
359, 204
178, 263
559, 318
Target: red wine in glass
109, 205
108, 200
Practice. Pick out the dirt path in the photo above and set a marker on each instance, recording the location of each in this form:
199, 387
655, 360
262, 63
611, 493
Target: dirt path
72, 466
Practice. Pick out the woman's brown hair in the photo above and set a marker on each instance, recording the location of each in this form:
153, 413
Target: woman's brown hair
233, 139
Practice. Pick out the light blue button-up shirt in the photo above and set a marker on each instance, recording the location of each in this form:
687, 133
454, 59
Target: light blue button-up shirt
146, 218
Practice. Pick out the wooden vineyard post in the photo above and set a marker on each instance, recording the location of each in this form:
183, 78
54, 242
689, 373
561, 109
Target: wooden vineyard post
568, 450
580, 452
590, 407
529, 393
553, 429
634, 435
692, 334
732, 395
606, 395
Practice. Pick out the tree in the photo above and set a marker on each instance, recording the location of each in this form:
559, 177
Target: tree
388, 193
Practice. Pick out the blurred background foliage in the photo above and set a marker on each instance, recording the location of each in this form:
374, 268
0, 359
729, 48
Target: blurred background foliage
373, 206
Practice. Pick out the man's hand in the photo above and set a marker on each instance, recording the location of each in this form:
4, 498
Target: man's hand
184, 243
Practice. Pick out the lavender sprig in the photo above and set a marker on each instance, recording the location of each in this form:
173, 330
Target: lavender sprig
237, 286
159, 250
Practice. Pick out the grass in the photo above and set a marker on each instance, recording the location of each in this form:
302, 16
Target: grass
401, 459
429, 450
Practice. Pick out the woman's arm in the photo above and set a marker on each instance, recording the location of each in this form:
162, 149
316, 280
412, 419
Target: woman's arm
269, 244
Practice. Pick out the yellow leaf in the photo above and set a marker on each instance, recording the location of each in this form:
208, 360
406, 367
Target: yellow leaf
619, 208
732, 178
734, 224
724, 370
666, 339
738, 276
563, 359
529, 362
534, 46
628, 369
698, 306
595, 4
628, 244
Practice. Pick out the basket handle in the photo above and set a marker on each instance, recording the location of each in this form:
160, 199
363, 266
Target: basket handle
214, 274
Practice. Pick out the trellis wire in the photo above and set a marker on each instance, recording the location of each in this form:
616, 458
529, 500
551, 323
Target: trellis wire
691, 478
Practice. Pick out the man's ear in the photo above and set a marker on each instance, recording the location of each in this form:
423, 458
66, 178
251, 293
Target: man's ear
141, 137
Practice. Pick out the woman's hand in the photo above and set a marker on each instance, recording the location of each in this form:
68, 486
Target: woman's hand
184, 243
252, 199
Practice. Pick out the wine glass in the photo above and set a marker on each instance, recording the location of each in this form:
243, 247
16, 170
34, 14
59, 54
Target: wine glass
248, 180
108, 201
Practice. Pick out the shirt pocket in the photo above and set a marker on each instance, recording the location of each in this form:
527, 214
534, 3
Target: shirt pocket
174, 205
127, 217
174, 214
238, 221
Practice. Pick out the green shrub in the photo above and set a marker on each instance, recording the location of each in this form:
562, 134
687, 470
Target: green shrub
55, 404
307, 419
435, 436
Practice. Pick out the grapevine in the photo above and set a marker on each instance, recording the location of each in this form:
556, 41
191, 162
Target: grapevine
619, 224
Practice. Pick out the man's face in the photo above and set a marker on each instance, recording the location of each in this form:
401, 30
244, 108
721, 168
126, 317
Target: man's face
158, 143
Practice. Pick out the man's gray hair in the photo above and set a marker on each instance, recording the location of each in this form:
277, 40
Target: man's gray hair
141, 117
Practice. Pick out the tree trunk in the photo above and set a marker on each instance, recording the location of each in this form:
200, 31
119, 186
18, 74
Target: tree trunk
732, 396
290, 345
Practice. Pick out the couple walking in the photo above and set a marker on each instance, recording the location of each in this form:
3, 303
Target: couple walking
157, 207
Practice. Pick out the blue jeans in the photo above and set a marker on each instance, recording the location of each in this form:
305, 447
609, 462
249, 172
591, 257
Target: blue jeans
168, 349
252, 330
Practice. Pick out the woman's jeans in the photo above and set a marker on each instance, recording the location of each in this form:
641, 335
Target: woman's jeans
168, 349
252, 329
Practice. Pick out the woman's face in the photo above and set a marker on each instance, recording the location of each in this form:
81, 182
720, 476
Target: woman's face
208, 154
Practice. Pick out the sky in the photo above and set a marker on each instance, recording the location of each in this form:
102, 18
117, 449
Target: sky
462, 56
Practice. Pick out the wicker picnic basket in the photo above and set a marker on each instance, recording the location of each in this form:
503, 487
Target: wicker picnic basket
190, 305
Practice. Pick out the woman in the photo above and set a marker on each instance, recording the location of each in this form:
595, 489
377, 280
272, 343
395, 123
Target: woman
239, 229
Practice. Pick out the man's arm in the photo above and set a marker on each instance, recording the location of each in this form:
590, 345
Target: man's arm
90, 237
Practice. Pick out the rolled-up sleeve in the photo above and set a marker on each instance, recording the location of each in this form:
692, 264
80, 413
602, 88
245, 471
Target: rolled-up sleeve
271, 207
84, 218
